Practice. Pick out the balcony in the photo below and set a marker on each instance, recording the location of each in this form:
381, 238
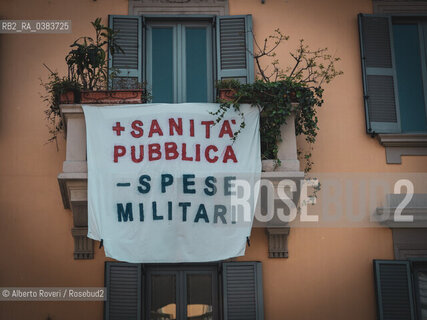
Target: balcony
73, 183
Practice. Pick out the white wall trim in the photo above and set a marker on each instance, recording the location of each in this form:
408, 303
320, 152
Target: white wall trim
215, 7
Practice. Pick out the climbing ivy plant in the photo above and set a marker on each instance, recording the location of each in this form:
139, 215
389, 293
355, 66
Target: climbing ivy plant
278, 93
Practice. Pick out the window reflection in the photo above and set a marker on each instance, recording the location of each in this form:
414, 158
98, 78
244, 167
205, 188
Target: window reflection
163, 297
422, 286
199, 296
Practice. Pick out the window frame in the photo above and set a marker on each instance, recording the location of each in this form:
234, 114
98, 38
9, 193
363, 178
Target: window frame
181, 271
417, 265
422, 41
413, 265
391, 127
179, 23
135, 25
389, 133
239, 287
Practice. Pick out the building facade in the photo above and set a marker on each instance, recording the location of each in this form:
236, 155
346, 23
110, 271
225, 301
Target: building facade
373, 124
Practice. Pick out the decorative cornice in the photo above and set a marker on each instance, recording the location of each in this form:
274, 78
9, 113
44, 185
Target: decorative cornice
410, 243
68, 182
278, 242
216, 7
386, 216
73, 187
399, 7
403, 140
83, 246
400, 144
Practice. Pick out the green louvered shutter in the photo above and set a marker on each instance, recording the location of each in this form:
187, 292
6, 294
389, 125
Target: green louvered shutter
235, 48
394, 290
242, 291
124, 283
129, 62
379, 74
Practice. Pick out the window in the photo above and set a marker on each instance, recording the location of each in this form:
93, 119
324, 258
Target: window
181, 57
409, 51
394, 54
420, 287
401, 289
229, 290
182, 293
180, 61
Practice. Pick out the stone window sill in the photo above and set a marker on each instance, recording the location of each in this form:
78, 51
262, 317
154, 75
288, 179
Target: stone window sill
400, 144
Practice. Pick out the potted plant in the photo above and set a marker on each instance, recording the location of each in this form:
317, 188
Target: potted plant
293, 93
59, 90
123, 90
87, 79
227, 89
87, 64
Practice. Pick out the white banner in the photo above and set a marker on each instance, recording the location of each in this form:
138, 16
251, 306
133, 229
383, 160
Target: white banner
167, 184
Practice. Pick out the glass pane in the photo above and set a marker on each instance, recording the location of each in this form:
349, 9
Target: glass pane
422, 285
196, 65
162, 67
199, 296
163, 297
409, 77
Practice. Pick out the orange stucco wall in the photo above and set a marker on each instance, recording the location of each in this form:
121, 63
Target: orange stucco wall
329, 272
35, 230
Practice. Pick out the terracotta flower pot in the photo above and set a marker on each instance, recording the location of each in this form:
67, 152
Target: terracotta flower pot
67, 97
226, 94
293, 96
113, 96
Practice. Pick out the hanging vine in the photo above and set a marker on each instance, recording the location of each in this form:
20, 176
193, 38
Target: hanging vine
280, 93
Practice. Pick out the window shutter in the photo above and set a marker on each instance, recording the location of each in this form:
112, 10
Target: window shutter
235, 48
379, 74
129, 62
123, 282
394, 290
242, 291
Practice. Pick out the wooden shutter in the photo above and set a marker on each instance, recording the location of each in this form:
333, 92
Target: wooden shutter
242, 291
129, 62
379, 74
124, 283
394, 290
235, 48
